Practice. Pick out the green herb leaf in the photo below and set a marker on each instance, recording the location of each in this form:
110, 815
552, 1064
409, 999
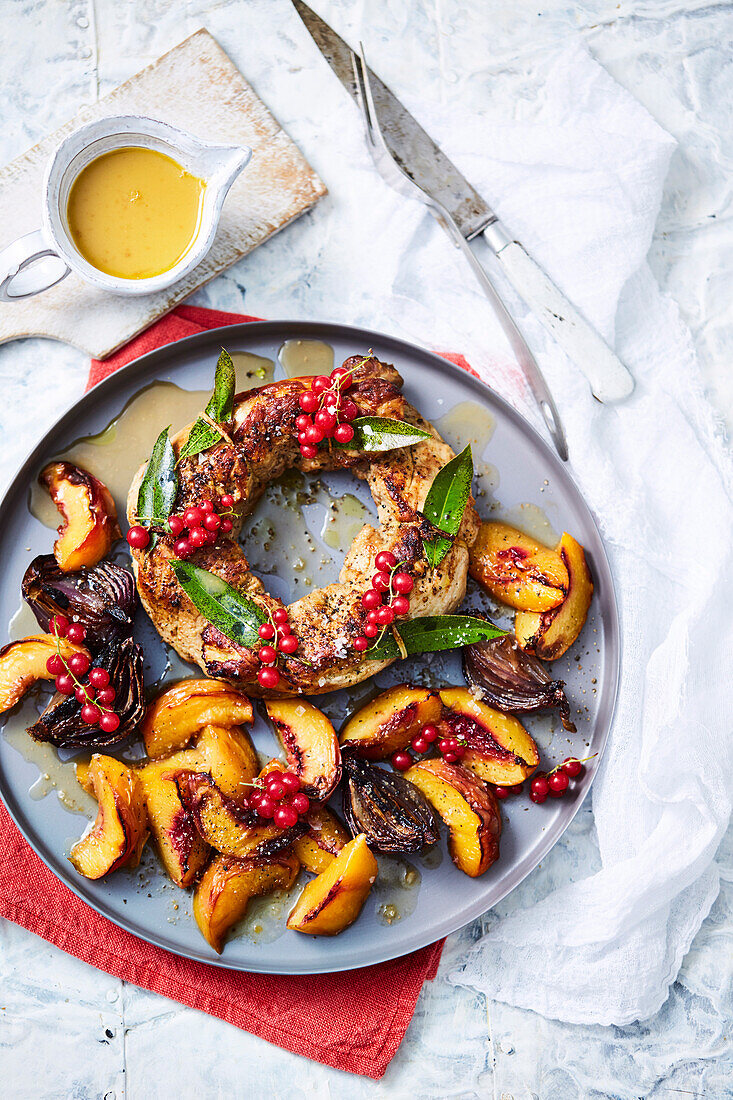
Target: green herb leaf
225, 607
446, 502
381, 433
433, 633
159, 486
219, 409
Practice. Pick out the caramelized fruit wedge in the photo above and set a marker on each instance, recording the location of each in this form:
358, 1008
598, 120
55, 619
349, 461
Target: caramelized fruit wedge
515, 569
184, 709
24, 662
551, 634
230, 758
467, 807
89, 515
323, 841
225, 825
310, 743
499, 749
121, 828
390, 721
182, 849
226, 886
334, 900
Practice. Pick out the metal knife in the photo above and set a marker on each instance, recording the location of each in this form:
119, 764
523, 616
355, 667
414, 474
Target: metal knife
421, 160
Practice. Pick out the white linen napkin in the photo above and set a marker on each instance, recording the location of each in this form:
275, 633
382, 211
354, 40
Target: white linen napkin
581, 186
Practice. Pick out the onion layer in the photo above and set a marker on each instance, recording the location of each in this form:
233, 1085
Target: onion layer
389, 809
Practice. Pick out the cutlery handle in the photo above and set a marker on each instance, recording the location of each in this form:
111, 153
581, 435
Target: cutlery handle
609, 379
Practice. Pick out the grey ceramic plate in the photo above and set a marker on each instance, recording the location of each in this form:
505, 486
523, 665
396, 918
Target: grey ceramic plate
522, 479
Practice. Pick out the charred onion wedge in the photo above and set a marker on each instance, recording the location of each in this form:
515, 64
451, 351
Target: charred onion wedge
103, 599
512, 680
391, 812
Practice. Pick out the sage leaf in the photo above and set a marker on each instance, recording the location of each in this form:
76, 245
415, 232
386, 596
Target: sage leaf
225, 607
219, 409
159, 485
434, 633
382, 433
446, 502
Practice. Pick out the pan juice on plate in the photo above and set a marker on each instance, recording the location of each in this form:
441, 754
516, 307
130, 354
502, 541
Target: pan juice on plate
134, 212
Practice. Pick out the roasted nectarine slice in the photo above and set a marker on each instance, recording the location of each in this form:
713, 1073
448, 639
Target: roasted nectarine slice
323, 841
121, 828
499, 749
334, 900
226, 886
516, 569
551, 633
230, 758
182, 849
90, 518
310, 743
390, 721
24, 662
184, 709
468, 808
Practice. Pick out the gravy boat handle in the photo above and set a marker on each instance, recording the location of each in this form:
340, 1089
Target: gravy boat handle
29, 266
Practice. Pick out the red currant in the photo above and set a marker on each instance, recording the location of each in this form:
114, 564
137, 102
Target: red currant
138, 537
99, 677
268, 677
308, 402
276, 790
83, 694
266, 631
517, 788
90, 714
105, 696
175, 525
197, 537
342, 376
267, 655
65, 683
371, 630
55, 665
371, 599
290, 782
280, 616
289, 643
401, 761
502, 792
59, 625
372, 616
320, 383
79, 663
348, 410
226, 501
385, 616
450, 757
380, 581
206, 506
361, 643
308, 450
419, 744
285, 817
539, 789
344, 433
192, 517
212, 522
430, 733
385, 559
265, 806
109, 722
76, 633
182, 548
402, 583
303, 422
226, 525
447, 744
572, 767
400, 605
326, 421
558, 784
314, 435
300, 803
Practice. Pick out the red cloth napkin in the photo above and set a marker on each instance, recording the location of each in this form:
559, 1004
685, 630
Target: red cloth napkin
353, 1021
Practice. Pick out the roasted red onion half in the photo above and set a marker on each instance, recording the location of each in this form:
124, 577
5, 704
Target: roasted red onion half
513, 681
391, 811
102, 599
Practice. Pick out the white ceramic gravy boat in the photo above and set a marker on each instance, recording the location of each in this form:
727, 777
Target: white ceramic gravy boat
43, 258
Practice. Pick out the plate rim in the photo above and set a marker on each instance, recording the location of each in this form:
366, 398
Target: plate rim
282, 330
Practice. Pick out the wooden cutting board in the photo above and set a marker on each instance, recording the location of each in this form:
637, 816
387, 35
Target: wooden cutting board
197, 88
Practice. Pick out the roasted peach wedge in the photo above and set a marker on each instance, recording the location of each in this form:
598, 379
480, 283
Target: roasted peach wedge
89, 515
324, 839
121, 829
225, 825
310, 743
516, 570
22, 663
468, 808
498, 748
182, 848
551, 633
228, 884
390, 721
334, 900
183, 710
229, 756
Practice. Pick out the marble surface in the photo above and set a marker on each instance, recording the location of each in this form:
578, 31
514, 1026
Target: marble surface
87, 1035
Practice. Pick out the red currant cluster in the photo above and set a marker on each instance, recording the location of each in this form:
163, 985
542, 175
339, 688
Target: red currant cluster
97, 696
277, 635
197, 527
327, 412
279, 798
556, 782
386, 599
450, 748
505, 792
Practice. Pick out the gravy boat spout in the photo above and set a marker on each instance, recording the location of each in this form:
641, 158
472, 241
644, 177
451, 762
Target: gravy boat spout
221, 164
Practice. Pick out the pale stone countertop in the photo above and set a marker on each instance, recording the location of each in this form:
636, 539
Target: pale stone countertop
68, 1030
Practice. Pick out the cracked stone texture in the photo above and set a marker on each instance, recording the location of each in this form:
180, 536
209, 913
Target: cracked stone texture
68, 1030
